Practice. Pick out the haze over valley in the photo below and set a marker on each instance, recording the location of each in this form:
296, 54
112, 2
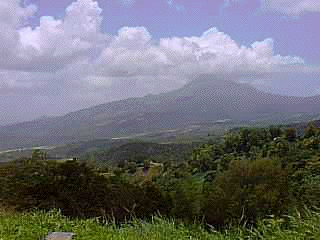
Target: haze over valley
60, 57
160, 119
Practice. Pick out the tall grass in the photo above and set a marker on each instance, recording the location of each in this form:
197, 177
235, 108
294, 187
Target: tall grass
36, 225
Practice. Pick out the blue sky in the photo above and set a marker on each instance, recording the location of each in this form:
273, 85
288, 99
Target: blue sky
64, 55
244, 20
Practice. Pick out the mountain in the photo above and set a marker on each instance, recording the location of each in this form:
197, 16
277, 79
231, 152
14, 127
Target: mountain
205, 98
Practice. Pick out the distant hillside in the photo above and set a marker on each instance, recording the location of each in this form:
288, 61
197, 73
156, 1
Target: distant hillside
205, 98
139, 151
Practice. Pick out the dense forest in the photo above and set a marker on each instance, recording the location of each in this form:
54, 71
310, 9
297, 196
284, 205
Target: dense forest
248, 175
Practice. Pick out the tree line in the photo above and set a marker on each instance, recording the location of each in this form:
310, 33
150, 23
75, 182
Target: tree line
251, 174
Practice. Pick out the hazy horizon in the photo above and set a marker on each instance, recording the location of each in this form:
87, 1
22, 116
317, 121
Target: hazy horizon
62, 56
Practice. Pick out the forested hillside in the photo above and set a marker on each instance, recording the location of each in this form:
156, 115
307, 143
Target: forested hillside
206, 98
248, 176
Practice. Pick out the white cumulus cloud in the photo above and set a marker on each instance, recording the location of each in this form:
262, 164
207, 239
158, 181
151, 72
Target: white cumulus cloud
72, 61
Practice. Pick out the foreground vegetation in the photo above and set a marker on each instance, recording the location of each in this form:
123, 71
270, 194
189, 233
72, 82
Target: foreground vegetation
37, 225
249, 185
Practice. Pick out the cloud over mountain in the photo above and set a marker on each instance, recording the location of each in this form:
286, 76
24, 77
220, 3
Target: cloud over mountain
72, 59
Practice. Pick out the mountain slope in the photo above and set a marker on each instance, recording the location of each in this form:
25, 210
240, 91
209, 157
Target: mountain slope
205, 98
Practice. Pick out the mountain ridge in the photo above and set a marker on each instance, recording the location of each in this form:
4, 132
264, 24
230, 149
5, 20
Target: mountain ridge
205, 98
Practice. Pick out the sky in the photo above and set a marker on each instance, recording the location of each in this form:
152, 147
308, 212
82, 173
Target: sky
64, 55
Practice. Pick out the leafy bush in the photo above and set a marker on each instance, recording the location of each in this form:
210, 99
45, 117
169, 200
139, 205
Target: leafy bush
252, 174
247, 191
79, 191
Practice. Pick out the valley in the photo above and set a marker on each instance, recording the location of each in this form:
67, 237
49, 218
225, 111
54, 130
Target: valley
205, 102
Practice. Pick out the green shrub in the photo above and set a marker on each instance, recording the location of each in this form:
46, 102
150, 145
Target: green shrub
79, 191
246, 192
